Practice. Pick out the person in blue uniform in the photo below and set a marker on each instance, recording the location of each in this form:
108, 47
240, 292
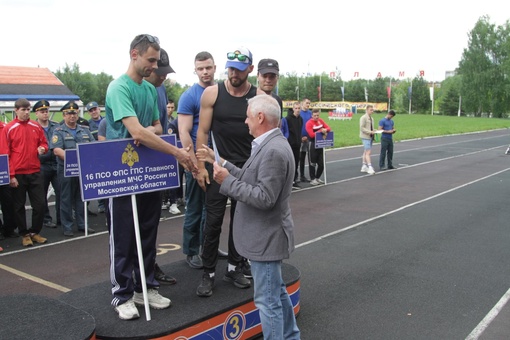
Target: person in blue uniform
65, 137
48, 162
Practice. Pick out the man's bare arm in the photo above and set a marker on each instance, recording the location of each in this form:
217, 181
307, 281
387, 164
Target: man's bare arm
151, 140
185, 124
204, 126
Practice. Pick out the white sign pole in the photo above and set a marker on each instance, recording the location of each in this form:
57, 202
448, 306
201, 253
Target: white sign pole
141, 263
324, 160
86, 213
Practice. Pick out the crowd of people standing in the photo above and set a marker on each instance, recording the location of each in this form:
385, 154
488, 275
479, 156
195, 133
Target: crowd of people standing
242, 123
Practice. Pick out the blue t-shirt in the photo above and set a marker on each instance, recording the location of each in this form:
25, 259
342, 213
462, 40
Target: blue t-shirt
306, 115
101, 130
127, 98
386, 124
284, 127
162, 101
189, 104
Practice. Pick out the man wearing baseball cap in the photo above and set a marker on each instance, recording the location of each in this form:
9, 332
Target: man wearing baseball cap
156, 78
240, 59
95, 117
223, 113
267, 77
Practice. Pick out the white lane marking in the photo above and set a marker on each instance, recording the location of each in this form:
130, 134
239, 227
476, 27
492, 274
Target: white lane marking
35, 279
482, 326
399, 209
417, 148
497, 308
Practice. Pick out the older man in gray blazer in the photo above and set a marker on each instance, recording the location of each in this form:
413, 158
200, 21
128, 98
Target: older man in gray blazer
263, 225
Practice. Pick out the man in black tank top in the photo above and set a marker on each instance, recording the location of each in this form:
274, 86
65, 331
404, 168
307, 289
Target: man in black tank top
223, 112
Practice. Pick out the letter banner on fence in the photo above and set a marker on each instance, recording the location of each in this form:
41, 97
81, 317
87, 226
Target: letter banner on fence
5, 177
120, 168
324, 141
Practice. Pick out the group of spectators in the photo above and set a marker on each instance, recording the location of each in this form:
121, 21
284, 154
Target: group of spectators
245, 124
303, 127
36, 153
251, 170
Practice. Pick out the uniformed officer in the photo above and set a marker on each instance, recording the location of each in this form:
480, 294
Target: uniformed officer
66, 136
80, 120
95, 117
94, 121
48, 162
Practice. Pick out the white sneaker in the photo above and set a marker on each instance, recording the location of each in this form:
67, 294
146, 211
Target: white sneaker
174, 210
314, 182
156, 301
128, 310
320, 181
371, 170
364, 168
164, 205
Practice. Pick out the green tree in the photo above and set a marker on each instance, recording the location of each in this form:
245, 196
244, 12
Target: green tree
174, 90
448, 99
70, 76
287, 87
378, 89
89, 87
102, 81
420, 95
484, 70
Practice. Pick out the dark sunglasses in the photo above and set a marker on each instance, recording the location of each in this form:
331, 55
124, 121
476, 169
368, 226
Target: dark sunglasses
152, 39
238, 56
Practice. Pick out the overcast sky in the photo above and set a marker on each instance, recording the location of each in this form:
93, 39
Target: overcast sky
368, 37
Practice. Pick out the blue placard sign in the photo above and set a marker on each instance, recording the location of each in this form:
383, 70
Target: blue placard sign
322, 141
120, 168
71, 163
5, 177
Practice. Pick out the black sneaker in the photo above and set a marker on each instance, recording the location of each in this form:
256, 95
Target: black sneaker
194, 261
49, 224
90, 230
162, 278
304, 179
246, 269
237, 278
206, 286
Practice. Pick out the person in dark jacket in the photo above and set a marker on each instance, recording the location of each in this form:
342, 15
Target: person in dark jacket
295, 124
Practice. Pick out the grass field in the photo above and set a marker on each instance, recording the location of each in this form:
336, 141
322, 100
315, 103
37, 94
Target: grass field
414, 126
